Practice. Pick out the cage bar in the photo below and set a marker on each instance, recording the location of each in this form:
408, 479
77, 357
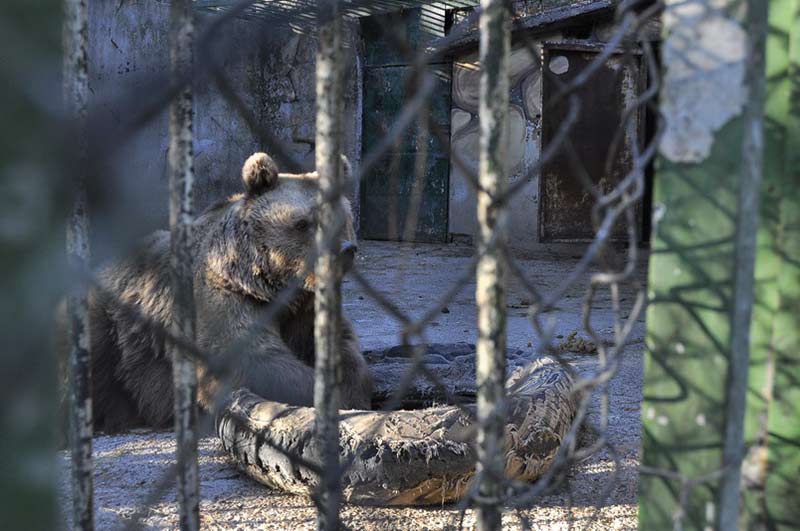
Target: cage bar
76, 97
328, 298
495, 44
181, 211
743, 277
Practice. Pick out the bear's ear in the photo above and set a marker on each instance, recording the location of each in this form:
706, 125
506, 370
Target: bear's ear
259, 174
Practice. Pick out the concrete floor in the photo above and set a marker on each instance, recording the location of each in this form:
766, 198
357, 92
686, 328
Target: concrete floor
413, 277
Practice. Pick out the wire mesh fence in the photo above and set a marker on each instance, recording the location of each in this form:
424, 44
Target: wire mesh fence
615, 189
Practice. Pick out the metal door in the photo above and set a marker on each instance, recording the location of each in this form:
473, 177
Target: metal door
566, 204
405, 196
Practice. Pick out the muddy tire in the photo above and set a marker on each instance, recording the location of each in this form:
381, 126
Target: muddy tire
408, 457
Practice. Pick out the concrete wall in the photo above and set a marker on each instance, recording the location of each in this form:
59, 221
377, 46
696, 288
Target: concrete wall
525, 122
525, 138
270, 67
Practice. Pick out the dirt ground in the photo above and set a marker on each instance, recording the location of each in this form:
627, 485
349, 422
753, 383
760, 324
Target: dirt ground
413, 277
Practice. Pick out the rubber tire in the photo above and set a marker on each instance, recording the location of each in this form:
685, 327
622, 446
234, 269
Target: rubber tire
408, 457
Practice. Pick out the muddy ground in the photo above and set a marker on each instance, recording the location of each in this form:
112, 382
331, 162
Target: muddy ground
600, 493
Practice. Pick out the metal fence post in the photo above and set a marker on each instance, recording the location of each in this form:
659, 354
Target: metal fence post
181, 177
776, 338
495, 43
76, 96
743, 277
327, 305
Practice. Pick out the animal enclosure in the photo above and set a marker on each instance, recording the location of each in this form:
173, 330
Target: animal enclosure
519, 138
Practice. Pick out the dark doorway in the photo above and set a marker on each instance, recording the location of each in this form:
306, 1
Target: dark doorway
566, 203
404, 197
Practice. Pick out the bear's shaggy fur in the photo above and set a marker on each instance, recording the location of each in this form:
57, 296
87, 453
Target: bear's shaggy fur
246, 249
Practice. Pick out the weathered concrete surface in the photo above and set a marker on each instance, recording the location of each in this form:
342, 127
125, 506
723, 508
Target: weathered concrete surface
412, 277
525, 129
524, 145
704, 79
270, 68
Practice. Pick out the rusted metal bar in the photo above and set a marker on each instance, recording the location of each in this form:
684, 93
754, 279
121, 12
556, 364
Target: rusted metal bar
181, 211
733, 448
327, 305
495, 43
76, 97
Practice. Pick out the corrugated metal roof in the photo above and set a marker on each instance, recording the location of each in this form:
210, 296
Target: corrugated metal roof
303, 13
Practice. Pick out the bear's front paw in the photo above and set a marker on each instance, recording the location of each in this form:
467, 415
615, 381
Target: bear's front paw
357, 394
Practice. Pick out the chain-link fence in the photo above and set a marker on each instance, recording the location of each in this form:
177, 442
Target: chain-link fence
575, 54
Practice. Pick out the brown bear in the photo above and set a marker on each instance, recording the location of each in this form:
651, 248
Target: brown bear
246, 249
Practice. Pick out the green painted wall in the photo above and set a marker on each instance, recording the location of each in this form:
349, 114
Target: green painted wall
405, 196
776, 320
690, 286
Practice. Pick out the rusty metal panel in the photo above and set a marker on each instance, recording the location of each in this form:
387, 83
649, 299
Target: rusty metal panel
397, 201
417, 28
566, 203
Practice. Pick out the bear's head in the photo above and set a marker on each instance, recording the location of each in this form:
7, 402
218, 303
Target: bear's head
265, 237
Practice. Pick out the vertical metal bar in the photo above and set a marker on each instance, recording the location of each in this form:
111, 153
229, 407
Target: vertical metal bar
490, 292
181, 210
76, 96
743, 279
327, 305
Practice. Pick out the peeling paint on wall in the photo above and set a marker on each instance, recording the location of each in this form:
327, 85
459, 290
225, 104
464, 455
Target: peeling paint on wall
704, 78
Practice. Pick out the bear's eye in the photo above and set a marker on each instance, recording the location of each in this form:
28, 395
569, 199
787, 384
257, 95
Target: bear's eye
302, 225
